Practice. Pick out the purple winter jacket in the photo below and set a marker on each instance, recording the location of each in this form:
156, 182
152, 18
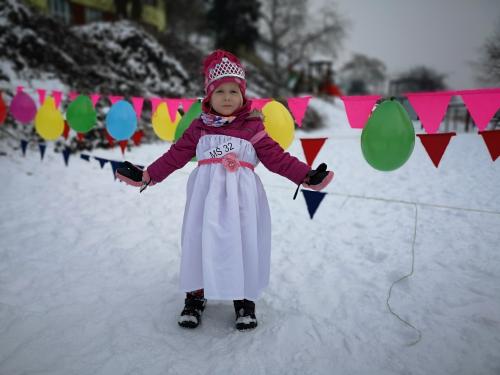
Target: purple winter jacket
245, 126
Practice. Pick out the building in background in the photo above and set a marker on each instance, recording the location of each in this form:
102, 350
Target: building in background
78, 12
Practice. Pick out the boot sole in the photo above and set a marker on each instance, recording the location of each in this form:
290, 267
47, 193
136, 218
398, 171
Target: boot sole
190, 325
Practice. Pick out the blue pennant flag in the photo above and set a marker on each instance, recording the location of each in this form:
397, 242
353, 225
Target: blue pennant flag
313, 200
114, 166
24, 144
66, 152
85, 157
42, 147
101, 161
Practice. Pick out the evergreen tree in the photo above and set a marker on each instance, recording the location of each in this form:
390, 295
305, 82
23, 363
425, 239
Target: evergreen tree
235, 24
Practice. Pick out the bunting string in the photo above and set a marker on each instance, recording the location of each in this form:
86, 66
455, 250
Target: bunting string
406, 277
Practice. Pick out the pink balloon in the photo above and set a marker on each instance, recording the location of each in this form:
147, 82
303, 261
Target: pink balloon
23, 108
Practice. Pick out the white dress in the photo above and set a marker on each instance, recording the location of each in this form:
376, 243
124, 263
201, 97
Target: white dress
226, 233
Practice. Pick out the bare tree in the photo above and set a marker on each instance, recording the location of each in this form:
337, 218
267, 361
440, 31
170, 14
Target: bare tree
421, 78
488, 66
291, 35
361, 70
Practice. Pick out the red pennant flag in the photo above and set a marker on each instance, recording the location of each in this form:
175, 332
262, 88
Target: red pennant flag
109, 138
482, 105
435, 145
123, 146
430, 107
66, 130
173, 105
3, 109
311, 147
492, 140
137, 102
41, 95
137, 137
258, 104
113, 99
359, 108
298, 107
186, 104
80, 136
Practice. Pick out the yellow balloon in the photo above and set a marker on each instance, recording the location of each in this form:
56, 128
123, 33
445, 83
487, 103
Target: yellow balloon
49, 122
279, 123
163, 127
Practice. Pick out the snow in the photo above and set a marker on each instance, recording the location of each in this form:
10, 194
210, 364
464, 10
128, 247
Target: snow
89, 270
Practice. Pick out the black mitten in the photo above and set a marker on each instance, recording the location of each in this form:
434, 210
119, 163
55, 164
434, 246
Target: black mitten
316, 179
130, 174
316, 176
134, 175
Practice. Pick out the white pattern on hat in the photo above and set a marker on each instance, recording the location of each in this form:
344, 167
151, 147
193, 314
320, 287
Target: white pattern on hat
225, 68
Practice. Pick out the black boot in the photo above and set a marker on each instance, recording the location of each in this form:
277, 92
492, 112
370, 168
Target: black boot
245, 314
193, 308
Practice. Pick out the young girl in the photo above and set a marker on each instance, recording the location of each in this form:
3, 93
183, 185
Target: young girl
226, 233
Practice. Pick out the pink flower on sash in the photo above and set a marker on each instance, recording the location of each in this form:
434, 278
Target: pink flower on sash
230, 162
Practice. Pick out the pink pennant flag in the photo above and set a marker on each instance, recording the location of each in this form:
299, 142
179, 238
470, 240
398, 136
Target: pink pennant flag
482, 105
94, 98
137, 102
113, 99
298, 107
72, 96
430, 108
186, 104
57, 95
359, 108
155, 102
259, 103
41, 95
173, 105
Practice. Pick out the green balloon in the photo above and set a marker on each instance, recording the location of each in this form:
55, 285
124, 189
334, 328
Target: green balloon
81, 115
187, 119
388, 138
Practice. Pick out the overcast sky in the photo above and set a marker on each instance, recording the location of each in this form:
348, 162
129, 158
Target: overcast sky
442, 34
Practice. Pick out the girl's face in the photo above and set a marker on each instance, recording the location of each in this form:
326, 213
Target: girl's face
226, 98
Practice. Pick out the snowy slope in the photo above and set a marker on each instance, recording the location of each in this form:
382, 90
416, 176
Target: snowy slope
118, 58
89, 269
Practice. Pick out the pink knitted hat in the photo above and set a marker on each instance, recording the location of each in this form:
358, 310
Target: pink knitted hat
220, 67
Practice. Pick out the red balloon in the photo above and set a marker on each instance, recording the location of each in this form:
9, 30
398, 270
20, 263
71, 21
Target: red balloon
3, 109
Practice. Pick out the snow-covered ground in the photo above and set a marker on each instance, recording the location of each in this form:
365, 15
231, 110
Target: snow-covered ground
89, 269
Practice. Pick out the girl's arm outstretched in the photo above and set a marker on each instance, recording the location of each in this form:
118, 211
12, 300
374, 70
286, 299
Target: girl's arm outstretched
177, 156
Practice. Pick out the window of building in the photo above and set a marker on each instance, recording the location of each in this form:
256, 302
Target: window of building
60, 9
93, 15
